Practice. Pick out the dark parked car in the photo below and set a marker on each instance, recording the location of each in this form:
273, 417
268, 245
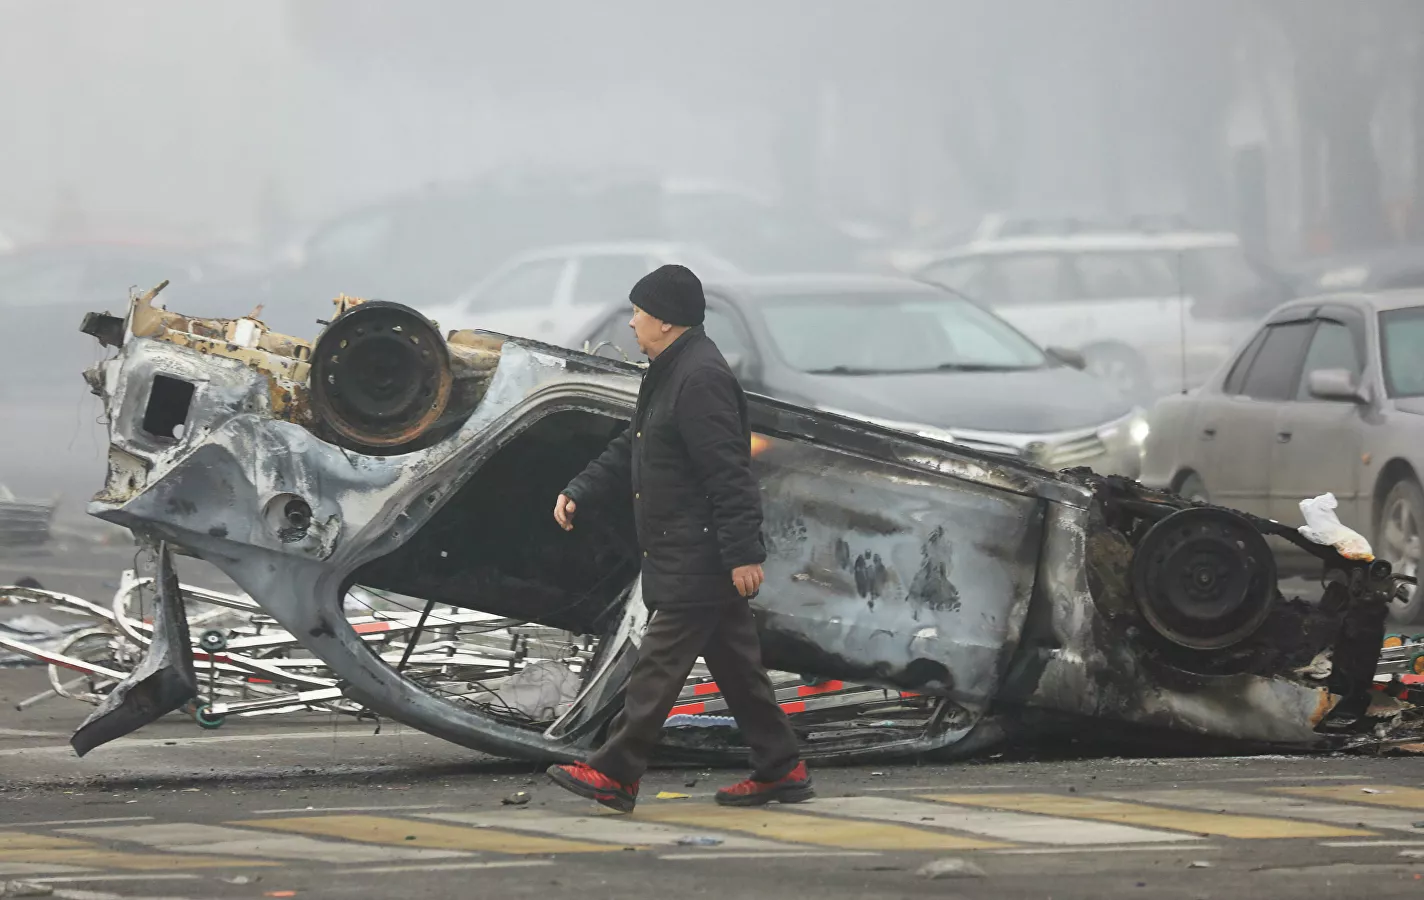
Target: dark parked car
1327, 395
914, 357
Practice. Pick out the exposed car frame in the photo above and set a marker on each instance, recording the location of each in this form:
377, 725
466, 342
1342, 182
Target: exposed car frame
1011, 597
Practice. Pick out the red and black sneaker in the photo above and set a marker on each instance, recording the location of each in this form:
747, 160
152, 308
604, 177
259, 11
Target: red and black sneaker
593, 784
793, 787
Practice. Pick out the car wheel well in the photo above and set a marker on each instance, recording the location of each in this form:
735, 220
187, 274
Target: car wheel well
1394, 471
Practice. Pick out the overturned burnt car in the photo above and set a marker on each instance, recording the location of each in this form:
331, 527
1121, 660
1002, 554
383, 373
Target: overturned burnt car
981, 598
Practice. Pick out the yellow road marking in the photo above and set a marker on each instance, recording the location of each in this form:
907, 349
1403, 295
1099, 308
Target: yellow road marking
1226, 825
1402, 797
797, 828
18, 840
411, 833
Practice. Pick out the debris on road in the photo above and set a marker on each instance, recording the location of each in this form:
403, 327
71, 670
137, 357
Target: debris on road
518, 798
932, 599
672, 795
700, 840
18, 889
951, 867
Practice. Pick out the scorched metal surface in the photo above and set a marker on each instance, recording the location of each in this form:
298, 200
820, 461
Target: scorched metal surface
999, 592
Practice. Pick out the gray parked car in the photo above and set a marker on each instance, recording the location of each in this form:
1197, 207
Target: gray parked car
1327, 395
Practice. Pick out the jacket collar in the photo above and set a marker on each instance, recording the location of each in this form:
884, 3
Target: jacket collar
672, 351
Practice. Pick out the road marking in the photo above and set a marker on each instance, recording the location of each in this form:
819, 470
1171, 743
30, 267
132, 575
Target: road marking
611, 828
308, 809
413, 833
147, 876
823, 831
1139, 848
1269, 778
1285, 807
37, 868
57, 822
94, 857
1388, 795
22, 733
1008, 826
188, 837
1372, 843
1151, 816
768, 854
146, 743
499, 864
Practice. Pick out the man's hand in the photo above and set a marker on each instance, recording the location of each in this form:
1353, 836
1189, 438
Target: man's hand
564, 511
748, 579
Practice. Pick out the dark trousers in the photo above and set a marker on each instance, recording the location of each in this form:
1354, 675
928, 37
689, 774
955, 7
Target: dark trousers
724, 635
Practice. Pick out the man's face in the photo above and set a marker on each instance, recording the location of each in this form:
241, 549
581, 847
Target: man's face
647, 331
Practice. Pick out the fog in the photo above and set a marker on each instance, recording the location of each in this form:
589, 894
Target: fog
225, 135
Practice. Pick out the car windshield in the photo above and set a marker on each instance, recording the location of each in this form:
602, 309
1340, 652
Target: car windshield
921, 331
1402, 349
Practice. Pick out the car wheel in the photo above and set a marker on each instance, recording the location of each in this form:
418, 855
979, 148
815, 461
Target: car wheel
1193, 488
1122, 368
1399, 538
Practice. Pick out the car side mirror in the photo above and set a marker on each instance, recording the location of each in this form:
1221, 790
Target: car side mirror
735, 362
1335, 384
1071, 358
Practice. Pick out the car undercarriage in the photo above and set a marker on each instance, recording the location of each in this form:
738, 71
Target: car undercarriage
922, 598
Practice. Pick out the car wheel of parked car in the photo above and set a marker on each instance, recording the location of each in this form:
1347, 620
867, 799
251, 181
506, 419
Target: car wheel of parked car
1122, 367
1193, 488
1399, 538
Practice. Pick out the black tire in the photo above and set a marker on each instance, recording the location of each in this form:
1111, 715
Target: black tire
1193, 488
1399, 533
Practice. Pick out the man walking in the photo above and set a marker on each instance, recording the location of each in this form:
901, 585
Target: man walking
686, 458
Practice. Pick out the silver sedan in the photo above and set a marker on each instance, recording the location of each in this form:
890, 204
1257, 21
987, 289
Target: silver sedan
1327, 395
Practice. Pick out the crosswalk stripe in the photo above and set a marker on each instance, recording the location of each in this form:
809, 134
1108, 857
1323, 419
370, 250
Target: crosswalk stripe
612, 828
188, 837
823, 831
1388, 795
58, 854
414, 833
1008, 826
1150, 816
100, 858
30, 868
20, 840
1285, 807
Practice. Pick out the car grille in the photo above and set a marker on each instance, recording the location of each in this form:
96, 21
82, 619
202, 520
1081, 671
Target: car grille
1074, 452
1054, 452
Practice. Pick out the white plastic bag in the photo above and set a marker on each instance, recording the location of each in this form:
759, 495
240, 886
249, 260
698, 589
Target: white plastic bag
1322, 526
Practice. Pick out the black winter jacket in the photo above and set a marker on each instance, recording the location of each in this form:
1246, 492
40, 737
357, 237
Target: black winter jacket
687, 459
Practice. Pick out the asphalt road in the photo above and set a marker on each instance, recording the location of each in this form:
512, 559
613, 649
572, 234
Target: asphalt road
323, 807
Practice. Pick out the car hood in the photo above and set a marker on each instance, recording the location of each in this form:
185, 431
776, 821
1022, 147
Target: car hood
1410, 405
1029, 401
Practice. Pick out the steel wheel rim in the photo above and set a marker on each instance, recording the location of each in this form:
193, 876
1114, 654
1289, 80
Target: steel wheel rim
1401, 542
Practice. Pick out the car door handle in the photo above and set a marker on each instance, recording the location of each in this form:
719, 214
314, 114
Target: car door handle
1283, 437
1208, 434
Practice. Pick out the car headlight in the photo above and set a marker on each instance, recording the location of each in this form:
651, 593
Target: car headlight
1138, 430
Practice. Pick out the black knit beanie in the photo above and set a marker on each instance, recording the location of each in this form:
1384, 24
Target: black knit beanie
671, 293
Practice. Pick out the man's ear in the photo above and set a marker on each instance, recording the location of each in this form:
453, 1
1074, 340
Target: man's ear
665, 327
